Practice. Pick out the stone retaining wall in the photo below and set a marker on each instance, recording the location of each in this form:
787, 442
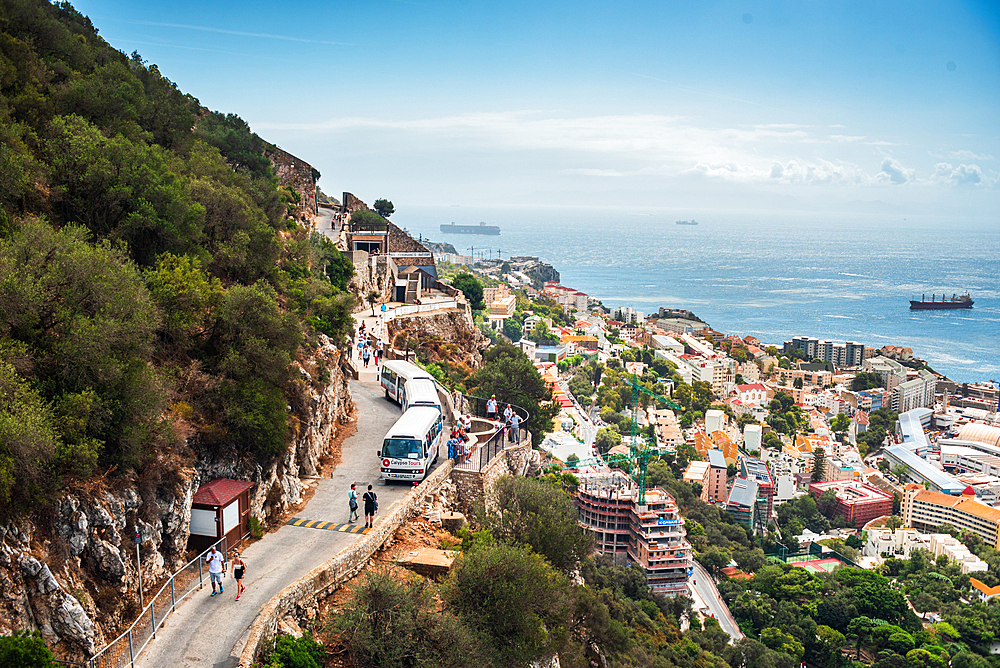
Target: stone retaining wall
322, 580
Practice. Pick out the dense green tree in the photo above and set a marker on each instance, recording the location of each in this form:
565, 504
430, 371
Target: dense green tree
390, 621
606, 439
25, 649
864, 381
509, 374
512, 597
542, 516
384, 207
85, 315
471, 288
512, 329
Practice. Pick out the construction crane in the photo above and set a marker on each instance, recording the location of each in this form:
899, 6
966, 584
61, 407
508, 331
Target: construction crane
636, 389
640, 451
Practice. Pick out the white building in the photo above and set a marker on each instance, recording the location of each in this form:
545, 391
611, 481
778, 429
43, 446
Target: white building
715, 420
915, 393
752, 437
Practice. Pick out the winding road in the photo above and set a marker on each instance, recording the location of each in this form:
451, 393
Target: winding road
208, 631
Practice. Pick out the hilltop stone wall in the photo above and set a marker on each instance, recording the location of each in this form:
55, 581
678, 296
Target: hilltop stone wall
298, 175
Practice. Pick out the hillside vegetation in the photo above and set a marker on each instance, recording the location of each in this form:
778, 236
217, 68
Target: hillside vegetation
154, 289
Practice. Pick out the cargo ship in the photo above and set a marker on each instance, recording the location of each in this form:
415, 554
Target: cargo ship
960, 301
481, 228
686, 222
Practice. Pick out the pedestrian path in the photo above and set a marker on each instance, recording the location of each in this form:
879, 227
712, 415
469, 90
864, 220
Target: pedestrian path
329, 526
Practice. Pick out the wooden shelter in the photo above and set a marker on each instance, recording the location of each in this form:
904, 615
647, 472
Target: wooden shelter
220, 507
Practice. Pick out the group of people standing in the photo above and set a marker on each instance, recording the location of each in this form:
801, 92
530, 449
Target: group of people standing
458, 445
369, 348
511, 420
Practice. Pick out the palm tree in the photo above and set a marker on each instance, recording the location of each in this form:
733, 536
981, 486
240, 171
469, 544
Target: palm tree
372, 297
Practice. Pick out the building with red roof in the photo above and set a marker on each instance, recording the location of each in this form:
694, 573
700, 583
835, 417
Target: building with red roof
220, 509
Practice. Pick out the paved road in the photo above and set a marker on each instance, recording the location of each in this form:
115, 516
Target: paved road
204, 629
325, 224
710, 595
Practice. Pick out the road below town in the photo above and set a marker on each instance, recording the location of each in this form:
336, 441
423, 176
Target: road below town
205, 629
705, 589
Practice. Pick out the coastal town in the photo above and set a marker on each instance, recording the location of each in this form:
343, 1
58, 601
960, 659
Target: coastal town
896, 456
245, 422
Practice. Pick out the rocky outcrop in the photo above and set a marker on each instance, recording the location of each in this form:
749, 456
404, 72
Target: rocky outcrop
73, 576
451, 336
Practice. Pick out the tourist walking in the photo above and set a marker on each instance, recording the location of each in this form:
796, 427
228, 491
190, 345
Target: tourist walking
352, 503
239, 570
507, 412
491, 408
216, 567
371, 506
366, 355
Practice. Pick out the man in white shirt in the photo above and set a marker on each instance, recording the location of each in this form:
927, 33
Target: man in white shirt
216, 567
491, 408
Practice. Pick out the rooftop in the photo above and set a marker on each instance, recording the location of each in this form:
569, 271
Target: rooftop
743, 493
220, 491
965, 504
716, 459
919, 466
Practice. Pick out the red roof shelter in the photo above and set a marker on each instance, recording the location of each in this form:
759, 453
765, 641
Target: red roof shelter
220, 508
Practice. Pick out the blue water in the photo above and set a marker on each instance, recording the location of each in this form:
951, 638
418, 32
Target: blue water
773, 276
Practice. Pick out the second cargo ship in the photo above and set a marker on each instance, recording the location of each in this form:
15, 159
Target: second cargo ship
960, 301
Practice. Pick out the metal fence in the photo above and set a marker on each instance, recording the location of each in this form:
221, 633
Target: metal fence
483, 453
121, 652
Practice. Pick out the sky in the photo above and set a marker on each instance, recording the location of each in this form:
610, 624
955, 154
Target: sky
884, 107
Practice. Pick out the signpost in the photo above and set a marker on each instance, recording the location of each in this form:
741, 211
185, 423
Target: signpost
138, 566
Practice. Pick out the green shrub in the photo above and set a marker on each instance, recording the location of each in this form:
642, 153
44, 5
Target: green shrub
290, 652
25, 649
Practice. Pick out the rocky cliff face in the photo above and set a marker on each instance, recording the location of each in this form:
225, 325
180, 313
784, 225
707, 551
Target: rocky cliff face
374, 272
452, 337
72, 573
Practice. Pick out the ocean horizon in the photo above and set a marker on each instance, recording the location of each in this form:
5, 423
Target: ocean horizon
773, 276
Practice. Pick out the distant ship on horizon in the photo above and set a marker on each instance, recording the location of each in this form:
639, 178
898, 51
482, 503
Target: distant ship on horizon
481, 228
687, 222
935, 304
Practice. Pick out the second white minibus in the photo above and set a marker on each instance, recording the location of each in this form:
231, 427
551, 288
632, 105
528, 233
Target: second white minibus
421, 392
393, 376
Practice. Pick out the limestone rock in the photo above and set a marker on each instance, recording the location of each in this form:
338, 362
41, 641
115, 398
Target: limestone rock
106, 561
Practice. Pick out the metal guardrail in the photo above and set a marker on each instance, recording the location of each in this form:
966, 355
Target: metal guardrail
122, 651
483, 453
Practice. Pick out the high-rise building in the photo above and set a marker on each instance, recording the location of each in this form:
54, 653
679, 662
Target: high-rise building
650, 535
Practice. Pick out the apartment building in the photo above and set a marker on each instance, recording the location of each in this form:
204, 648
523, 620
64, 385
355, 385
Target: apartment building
756, 470
857, 502
850, 353
890, 372
915, 393
651, 535
926, 510
713, 489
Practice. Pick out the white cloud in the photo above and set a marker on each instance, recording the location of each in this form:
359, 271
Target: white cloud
963, 175
894, 172
969, 155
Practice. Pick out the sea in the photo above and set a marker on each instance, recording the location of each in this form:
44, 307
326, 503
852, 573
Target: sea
772, 275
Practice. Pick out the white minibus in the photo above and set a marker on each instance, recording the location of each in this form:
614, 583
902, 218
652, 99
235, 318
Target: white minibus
393, 377
410, 446
420, 392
